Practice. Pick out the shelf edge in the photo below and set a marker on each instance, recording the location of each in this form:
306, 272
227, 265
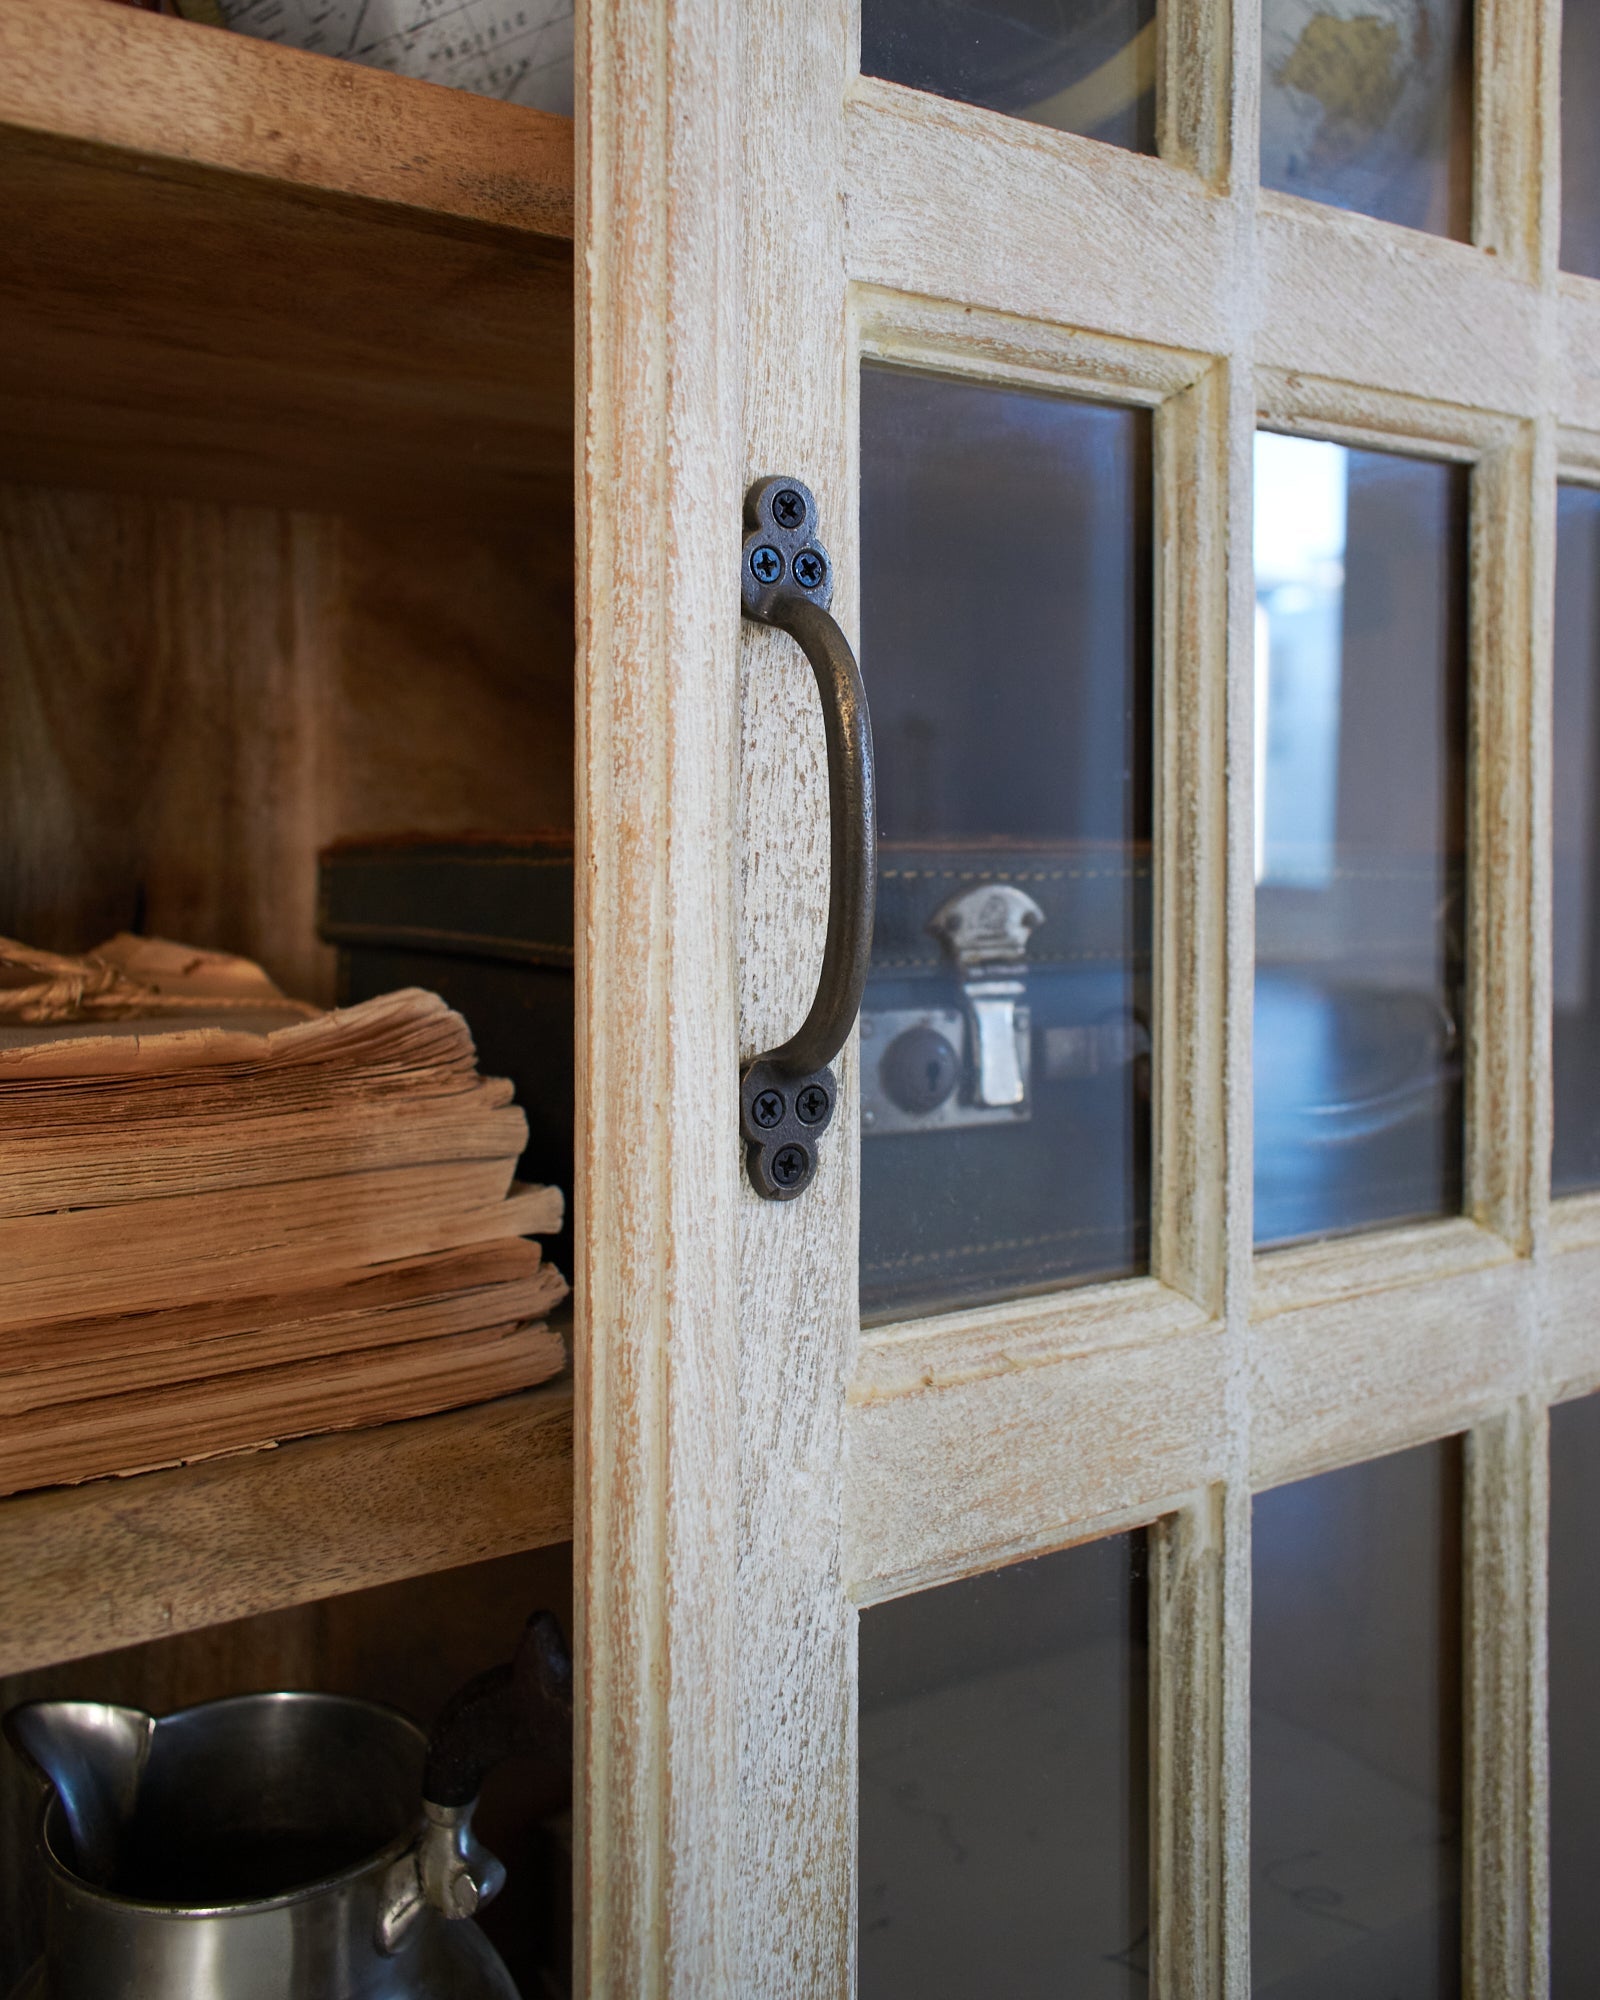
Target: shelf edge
85, 1569
167, 90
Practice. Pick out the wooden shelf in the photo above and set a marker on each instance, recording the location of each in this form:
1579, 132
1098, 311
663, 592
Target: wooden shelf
84, 1569
239, 271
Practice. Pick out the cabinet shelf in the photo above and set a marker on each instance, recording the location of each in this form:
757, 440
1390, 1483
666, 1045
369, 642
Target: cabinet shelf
239, 271
116, 1562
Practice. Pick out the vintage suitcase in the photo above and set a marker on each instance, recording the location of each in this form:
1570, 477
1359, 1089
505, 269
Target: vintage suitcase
487, 923
1005, 1060
962, 1199
1005, 1046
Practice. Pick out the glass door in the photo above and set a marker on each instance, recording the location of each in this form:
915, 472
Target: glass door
1093, 1538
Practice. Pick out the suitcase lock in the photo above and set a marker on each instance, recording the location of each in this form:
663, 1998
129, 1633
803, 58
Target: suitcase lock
927, 1069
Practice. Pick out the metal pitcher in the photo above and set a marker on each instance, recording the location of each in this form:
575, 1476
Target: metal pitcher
280, 1846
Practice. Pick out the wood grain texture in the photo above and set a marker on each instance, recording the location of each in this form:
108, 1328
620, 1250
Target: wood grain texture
1360, 301
1569, 1347
225, 276
1377, 1372
1229, 1972
658, 1861
118, 1562
798, 1315
1577, 307
1189, 1743
1508, 977
162, 723
166, 90
1194, 90
1516, 140
1505, 1864
1195, 999
197, 698
990, 1451
951, 202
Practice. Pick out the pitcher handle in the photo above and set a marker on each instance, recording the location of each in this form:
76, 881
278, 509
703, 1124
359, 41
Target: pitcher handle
521, 1708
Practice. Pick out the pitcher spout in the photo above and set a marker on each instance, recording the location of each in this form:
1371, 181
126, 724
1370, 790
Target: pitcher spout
93, 1755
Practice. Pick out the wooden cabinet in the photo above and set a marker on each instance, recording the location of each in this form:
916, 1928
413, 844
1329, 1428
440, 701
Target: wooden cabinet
315, 384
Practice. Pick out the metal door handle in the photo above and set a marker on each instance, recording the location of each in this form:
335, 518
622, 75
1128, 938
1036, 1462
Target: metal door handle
787, 1096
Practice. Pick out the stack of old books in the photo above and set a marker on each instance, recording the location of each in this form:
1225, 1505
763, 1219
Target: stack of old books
227, 1218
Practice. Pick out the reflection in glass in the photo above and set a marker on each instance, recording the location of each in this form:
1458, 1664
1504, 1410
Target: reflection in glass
1355, 1732
1004, 1780
1005, 625
1360, 748
1084, 66
1575, 811
1370, 107
1580, 138
1574, 1711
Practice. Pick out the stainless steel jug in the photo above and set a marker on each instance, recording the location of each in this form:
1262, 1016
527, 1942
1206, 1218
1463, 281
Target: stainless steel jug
279, 1846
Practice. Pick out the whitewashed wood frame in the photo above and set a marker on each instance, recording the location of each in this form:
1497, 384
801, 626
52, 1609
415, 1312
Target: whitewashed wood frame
754, 219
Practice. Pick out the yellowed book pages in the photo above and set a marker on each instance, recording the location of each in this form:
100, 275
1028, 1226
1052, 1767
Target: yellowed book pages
407, 1039
425, 1298
141, 1157
69, 1442
177, 1250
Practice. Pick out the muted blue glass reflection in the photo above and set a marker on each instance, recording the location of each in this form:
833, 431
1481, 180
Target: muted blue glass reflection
1086, 66
1359, 789
1575, 820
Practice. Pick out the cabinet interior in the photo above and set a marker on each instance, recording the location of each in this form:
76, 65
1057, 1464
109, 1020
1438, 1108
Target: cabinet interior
286, 554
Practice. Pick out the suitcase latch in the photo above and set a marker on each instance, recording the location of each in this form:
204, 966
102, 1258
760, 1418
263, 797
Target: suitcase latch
930, 1069
986, 931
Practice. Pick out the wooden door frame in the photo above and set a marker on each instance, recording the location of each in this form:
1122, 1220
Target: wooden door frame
752, 218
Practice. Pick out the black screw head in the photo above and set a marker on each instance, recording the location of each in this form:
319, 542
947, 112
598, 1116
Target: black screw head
788, 508
766, 564
790, 1165
767, 1108
809, 569
812, 1104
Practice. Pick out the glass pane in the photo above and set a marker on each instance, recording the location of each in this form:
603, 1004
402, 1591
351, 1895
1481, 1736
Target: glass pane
1371, 108
1360, 836
1355, 1733
1574, 1710
1580, 138
1084, 66
1004, 1782
1576, 816
1005, 626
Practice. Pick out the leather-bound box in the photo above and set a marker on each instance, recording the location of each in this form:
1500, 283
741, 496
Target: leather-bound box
1005, 1072
486, 922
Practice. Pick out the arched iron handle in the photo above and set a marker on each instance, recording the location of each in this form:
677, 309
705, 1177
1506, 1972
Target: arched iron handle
787, 1096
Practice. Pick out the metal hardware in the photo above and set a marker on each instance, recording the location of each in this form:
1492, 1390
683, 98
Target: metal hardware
788, 1095
523, 1706
448, 1869
908, 1057
986, 931
203, 1825
268, 1846
931, 1069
